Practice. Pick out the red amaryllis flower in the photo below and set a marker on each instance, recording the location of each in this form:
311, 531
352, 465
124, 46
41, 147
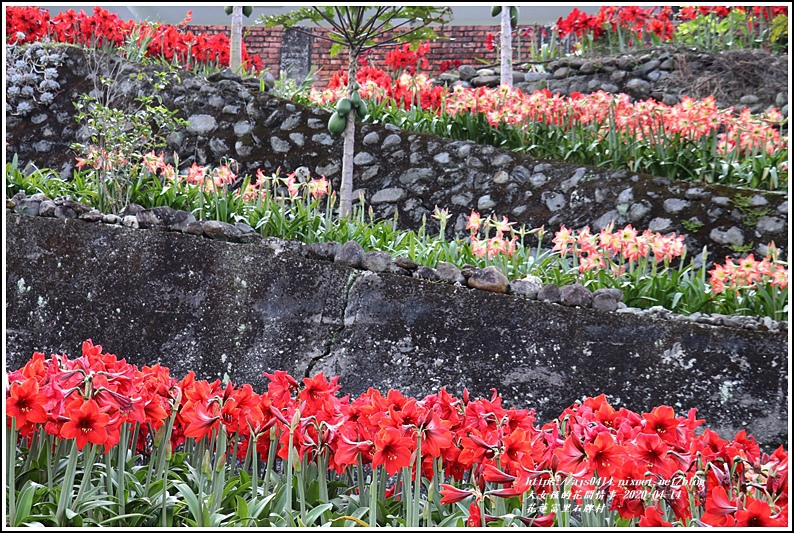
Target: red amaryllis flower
348, 450
663, 422
86, 423
572, 455
756, 514
435, 433
653, 518
281, 386
719, 508
392, 450
200, 421
604, 456
25, 403
489, 42
317, 390
651, 451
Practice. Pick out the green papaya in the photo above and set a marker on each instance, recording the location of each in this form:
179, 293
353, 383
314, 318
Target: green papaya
344, 106
361, 110
355, 98
229, 10
336, 124
355, 86
247, 10
513, 17
496, 10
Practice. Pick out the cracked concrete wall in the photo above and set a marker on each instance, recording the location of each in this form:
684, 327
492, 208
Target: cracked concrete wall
238, 310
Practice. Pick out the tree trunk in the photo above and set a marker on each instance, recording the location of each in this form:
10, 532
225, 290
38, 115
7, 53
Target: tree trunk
236, 51
506, 48
346, 189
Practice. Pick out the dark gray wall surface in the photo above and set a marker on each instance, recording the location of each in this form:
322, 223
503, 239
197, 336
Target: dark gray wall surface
239, 310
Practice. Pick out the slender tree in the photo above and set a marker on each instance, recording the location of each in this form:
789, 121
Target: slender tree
506, 59
358, 29
236, 41
509, 21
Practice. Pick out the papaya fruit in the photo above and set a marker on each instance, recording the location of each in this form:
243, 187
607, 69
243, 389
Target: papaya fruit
229, 10
496, 10
513, 17
336, 124
344, 106
355, 98
361, 110
247, 10
355, 86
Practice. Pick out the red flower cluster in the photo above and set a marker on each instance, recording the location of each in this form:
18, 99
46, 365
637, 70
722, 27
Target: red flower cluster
631, 461
26, 24
88, 399
638, 21
632, 19
749, 273
447, 64
403, 58
29, 24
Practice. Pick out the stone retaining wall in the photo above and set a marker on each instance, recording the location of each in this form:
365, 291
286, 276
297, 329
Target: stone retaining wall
237, 310
406, 172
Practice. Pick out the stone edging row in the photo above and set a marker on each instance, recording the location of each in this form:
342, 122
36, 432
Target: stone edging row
353, 255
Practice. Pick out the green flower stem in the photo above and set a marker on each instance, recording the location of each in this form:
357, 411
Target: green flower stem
232, 459
322, 474
417, 493
33, 451
219, 472
88, 467
121, 467
52, 463
65, 498
407, 496
500, 502
373, 498
11, 471
288, 474
164, 515
271, 459
251, 459
108, 474
163, 456
300, 470
360, 478
198, 454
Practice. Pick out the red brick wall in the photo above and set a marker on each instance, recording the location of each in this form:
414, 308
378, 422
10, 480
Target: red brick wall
465, 43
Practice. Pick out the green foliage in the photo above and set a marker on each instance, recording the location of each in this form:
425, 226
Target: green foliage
119, 139
778, 34
273, 212
671, 156
692, 225
358, 27
742, 248
710, 32
750, 215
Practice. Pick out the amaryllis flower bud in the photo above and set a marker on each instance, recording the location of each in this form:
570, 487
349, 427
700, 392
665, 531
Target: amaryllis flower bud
206, 465
451, 494
221, 463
